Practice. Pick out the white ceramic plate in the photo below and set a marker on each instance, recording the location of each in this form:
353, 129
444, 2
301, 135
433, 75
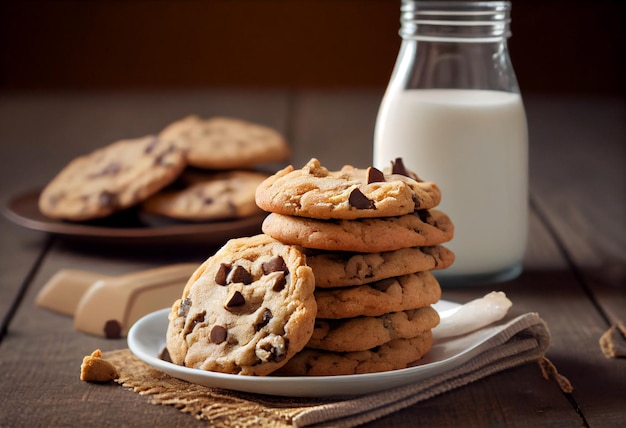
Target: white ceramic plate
146, 339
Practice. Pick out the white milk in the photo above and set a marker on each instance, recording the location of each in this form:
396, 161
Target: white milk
474, 145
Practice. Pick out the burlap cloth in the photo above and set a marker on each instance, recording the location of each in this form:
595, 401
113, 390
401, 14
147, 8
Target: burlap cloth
523, 341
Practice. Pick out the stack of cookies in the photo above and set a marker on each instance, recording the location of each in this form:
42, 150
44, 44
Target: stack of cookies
194, 170
371, 240
339, 283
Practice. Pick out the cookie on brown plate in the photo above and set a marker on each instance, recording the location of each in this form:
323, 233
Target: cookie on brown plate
226, 143
208, 196
112, 178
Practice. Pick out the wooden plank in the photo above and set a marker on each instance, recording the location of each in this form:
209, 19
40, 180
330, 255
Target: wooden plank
337, 127
41, 354
578, 182
19, 249
346, 138
562, 296
41, 133
583, 199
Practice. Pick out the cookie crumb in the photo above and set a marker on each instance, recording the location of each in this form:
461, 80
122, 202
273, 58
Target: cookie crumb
613, 341
95, 369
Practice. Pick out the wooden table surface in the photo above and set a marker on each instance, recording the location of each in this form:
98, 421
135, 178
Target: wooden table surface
574, 271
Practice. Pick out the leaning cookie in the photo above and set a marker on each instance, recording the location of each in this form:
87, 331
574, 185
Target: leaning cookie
363, 333
112, 178
246, 310
204, 196
342, 268
349, 193
401, 293
226, 143
368, 235
394, 355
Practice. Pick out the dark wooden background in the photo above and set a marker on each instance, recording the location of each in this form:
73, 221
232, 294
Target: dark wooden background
557, 46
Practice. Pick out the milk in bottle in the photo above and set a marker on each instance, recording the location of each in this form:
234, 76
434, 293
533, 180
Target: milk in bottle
454, 113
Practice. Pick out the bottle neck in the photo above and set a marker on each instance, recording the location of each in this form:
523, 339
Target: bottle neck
455, 45
455, 21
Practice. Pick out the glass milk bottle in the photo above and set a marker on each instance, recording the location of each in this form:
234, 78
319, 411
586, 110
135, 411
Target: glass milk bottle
454, 113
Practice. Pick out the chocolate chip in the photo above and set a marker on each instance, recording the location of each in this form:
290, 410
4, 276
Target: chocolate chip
424, 215
218, 334
239, 274
358, 200
197, 320
112, 168
384, 285
397, 167
222, 274
165, 355
112, 329
208, 200
279, 283
151, 145
236, 299
275, 264
375, 175
53, 199
265, 319
161, 159
108, 199
191, 324
279, 354
273, 350
416, 202
183, 309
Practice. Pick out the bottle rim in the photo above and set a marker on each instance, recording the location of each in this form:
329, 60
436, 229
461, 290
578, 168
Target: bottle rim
456, 21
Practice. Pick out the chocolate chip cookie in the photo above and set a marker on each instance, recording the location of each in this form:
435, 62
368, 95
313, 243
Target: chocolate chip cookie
226, 143
341, 268
394, 355
204, 196
351, 193
396, 294
363, 333
368, 235
112, 178
246, 310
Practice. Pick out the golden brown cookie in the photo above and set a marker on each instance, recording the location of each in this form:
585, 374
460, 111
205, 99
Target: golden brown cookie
246, 310
368, 235
112, 178
363, 333
226, 143
204, 196
341, 268
396, 294
350, 193
394, 355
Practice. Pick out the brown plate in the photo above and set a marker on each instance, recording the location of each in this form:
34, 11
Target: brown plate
131, 224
